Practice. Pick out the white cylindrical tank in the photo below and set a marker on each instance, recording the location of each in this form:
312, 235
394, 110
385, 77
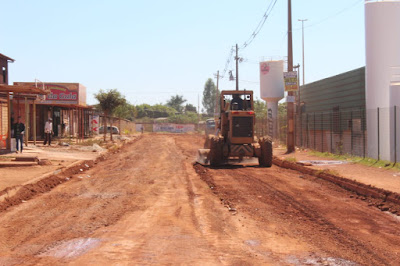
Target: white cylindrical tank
382, 43
382, 35
272, 90
271, 81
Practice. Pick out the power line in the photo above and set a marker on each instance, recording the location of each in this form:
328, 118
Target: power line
228, 62
251, 38
259, 26
250, 61
332, 16
324, 19
241, 80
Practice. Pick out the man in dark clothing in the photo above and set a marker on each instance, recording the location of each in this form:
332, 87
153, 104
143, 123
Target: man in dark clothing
237, 102
19, 131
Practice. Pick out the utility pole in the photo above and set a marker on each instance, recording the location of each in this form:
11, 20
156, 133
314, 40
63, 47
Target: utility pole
302, 30
290, 102
237, 68
198, 106
297, 67
217, 76
216, 95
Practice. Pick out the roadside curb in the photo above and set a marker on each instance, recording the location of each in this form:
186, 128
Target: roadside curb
359, 188
16, 195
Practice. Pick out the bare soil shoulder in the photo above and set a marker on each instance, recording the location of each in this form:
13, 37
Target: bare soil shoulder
385, 178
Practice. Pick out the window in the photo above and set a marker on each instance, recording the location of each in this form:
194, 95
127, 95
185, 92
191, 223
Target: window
4, 71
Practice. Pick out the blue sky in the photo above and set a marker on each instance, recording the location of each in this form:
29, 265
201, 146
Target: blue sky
152, 50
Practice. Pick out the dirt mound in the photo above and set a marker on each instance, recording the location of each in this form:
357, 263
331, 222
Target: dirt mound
20, 194
382, 199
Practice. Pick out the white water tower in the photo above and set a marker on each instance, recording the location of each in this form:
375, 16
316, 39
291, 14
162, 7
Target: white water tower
272, 90
382, 41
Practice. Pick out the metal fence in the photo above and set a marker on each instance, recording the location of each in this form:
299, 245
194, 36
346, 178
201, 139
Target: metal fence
339, 131
264, 126
343, 132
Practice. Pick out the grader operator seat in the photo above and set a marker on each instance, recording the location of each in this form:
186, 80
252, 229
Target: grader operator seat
237, 102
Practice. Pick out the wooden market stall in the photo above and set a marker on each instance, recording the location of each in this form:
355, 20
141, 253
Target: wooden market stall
21, 94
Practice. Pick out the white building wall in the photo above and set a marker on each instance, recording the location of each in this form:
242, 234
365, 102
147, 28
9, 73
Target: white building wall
382, 32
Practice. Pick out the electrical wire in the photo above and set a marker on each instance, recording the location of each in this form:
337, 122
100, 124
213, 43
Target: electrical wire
228, 62
259, 26
262, 22
252, 36
334, 15
322, 20
241, 80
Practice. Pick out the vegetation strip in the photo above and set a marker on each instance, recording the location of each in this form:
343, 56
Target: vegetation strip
382, 195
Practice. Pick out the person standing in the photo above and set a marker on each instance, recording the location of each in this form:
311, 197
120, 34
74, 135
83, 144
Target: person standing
19, 131
48, 131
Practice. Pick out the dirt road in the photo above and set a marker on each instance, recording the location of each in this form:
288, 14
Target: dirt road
148, 204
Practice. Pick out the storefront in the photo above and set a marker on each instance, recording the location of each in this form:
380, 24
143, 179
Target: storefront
15, 101
66, 105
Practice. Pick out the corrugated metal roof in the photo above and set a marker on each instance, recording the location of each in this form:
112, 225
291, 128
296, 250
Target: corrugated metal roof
6, 57
29, 89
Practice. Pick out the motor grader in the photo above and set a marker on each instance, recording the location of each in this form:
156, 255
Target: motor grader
234, 137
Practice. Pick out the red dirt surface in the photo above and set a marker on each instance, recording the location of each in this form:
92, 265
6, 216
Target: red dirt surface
385, 178
147, 204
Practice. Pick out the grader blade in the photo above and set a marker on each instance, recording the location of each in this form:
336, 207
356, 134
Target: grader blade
202, 156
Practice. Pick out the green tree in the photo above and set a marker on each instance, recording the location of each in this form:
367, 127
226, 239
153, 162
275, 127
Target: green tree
143, 110
282, 118
126, 111
209, 94
190, 108
282, 111
260, 108
176, 102
108, 101
161, 110
154, 111
188, 118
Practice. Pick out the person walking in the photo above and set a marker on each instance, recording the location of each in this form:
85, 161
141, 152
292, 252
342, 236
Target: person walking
48, 131
19, 131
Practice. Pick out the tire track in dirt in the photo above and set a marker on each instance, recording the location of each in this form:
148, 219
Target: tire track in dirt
383, 199
181, 225
72, 210
281, 202
146, 205
14, 196
323, 228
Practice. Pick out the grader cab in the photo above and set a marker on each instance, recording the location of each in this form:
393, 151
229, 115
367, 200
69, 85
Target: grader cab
234, 137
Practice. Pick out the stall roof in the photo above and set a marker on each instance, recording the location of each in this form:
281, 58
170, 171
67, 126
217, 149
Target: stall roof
22, 89
70, 106
6, 57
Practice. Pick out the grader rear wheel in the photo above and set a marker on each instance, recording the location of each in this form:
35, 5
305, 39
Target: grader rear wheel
265, 158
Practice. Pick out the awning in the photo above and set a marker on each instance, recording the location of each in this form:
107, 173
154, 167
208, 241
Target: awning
29, 89
72, 106
7, 58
